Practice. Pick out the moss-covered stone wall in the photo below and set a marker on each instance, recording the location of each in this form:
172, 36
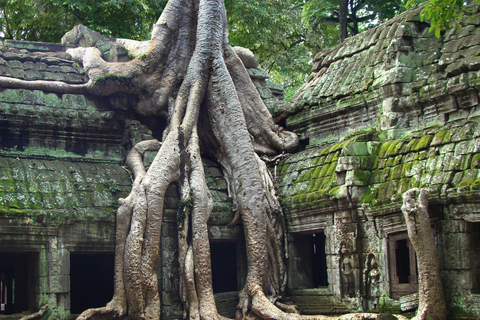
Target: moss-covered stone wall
54, 192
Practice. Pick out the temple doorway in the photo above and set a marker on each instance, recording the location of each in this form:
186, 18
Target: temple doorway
224, 266
308, 262
18, 278
91, 280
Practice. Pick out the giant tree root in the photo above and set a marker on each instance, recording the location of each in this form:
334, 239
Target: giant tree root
37, 315
262, 307
430, 288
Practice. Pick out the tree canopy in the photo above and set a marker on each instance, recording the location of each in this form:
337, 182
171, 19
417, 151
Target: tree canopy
443, 13
49, 20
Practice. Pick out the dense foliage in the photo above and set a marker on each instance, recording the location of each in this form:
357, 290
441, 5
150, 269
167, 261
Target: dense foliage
443, 13
49, 20
285, 34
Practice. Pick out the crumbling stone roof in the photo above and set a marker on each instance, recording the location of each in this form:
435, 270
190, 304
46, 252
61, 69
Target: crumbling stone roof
40, 61
394, 77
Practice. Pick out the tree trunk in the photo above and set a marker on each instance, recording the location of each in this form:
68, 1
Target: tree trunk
430, 289
342, 20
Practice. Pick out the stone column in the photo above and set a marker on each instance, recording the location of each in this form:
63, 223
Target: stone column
57, 289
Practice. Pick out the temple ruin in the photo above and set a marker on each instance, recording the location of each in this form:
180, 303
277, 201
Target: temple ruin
390, 109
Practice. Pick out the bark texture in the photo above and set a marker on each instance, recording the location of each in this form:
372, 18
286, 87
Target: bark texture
343, 20
430, 289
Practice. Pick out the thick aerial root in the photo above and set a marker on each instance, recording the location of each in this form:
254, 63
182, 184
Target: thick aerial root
288, 308
100, 313
430, 288
36, 315
264, 309
202, 208
192, 303
52, 86
117, 307
269, 138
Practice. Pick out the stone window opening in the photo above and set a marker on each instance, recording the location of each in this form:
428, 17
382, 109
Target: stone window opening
308, 262
403, 265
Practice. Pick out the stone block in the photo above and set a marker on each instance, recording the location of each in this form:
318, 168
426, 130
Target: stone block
448, 58
461, 149
355, 149
457, 178
474, 144
43, 286
438, 177
63, 301
467, 98
472, 39
425, 179
471, 57
64, 261
455, 253
447, 149
64, 283
457, 83
448, 177
452, 46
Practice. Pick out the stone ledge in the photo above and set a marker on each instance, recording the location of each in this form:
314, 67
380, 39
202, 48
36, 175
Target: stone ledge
36, 46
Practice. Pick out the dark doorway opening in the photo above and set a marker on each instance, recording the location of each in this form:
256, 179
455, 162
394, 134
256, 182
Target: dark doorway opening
91, 280
474, 229
308, 263
224, 266
17, 282
403, 265
319, 261
402, 259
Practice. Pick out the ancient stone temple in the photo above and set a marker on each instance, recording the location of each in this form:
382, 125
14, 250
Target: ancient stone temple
390, 109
